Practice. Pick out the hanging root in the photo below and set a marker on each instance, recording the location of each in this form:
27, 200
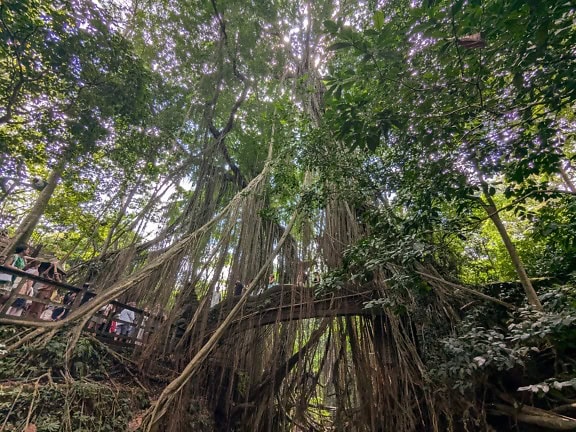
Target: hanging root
84, 312
159, 408
75, 335
27, 338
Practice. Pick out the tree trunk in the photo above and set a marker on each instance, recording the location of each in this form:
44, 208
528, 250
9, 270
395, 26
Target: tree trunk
29, 222
7, 192
536, 416
516, 260
119, 216
494, 215
567, 180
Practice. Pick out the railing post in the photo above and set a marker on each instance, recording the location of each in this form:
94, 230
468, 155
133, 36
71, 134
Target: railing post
9, 301
138, 326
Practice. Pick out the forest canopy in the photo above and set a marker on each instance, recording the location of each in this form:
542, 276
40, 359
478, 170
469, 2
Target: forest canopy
399, 173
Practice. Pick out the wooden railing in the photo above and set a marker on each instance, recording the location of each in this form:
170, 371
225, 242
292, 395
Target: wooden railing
279, 303
106, 324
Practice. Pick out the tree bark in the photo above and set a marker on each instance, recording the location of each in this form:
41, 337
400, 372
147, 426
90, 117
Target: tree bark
567, 180
494, 216
538, 417
119, 216
28, 224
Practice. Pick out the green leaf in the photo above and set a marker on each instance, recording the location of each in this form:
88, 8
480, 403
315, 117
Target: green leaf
331, 26
457, 6
378, 20
339, 45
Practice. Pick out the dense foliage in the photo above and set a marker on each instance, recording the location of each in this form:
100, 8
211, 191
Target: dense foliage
427, 148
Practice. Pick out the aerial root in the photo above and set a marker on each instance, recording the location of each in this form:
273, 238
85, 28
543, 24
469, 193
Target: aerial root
74, 338
158, 409
27, 338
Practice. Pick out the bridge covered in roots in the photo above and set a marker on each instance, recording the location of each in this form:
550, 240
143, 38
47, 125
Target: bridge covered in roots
279, 303
282, 303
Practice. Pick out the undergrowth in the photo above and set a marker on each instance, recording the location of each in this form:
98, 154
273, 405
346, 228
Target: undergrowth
94, 395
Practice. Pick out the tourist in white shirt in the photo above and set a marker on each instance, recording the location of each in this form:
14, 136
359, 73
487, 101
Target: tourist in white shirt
125, 320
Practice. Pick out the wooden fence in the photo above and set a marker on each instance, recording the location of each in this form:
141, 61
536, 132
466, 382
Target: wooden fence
34, 298
124, 325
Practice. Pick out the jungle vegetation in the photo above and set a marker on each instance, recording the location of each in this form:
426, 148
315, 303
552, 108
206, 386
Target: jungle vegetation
417, 154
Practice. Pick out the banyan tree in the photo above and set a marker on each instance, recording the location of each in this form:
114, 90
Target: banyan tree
402, 170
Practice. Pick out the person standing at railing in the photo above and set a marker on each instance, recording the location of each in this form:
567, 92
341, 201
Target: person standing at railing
16, 262
143, 332
126, 318
62, 311
33, 268
45, 290
238, 288
216, 297
26, 289
99, 320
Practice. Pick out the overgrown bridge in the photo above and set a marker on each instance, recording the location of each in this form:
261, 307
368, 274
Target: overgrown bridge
279, 303
282, 303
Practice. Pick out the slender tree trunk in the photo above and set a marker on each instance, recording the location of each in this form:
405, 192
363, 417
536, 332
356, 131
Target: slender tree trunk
121, 214
516, 260
567, 181
6, 193
494, 215
30, 221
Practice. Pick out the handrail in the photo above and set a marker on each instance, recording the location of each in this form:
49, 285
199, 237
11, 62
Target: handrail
64, 285
140, 327
145, 323
22, 273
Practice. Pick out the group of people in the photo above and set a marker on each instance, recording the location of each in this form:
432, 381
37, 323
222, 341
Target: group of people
122, 324
22, 306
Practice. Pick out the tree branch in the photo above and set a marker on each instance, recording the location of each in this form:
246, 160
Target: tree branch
537, 416
468, 290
